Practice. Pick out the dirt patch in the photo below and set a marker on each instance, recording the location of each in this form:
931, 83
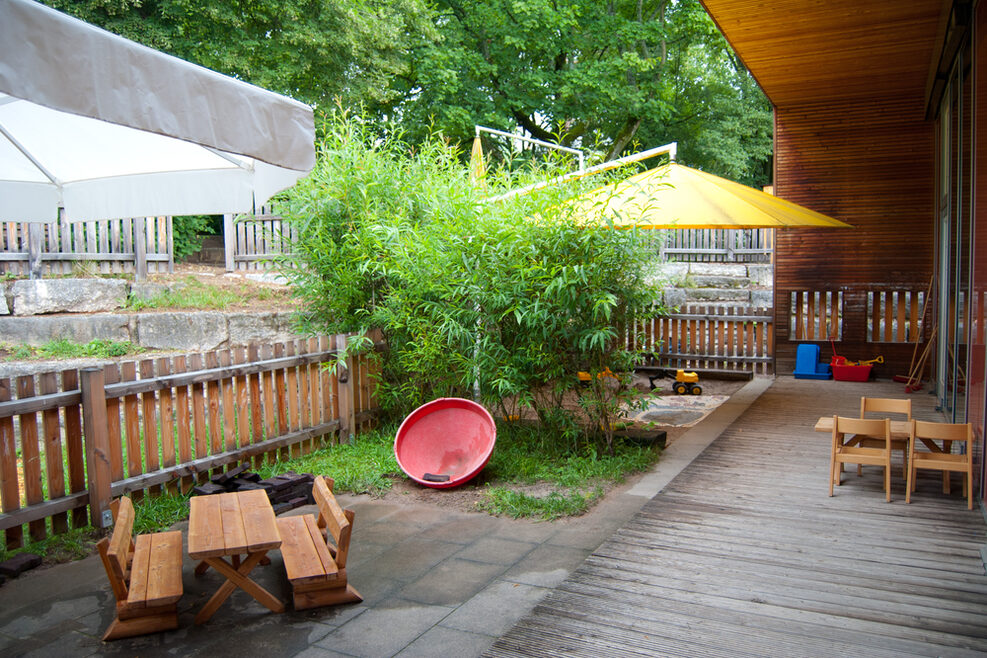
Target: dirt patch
255, 290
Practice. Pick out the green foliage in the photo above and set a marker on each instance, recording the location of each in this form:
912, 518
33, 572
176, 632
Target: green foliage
63, 348
187, 231
364, 465
514, 296
72, 545
156, 513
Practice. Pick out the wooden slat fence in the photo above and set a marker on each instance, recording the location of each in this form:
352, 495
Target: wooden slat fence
718, 245
110, 246
738, 338
74, 438
816, 315
252, 239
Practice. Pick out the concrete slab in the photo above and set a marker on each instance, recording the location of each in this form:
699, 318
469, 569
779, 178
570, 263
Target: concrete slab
385, 630
451, 582
441, 641
494, 610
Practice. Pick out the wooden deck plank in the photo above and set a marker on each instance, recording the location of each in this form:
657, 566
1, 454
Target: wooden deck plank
744, 553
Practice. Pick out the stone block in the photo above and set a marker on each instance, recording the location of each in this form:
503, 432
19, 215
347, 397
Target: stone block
675, 272
700, 295
42, 296
20, 563
674, 297
39, 330
223, 478
4, 309
710, 281
201, 331
717, 269
761, 275
762, 298
246, 328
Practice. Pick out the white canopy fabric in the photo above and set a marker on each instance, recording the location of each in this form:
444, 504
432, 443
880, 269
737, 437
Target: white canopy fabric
101, 127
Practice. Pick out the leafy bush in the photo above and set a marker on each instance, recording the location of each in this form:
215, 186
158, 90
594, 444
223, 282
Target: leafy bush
187, 231
512, 298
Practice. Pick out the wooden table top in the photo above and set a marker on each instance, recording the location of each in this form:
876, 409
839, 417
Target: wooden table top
231, 524
898, 427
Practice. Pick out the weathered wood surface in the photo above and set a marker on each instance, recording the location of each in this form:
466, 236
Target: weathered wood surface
744, 553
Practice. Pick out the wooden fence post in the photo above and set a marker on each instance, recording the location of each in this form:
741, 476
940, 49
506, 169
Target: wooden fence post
229, 241
34, 249
345, 377
140, 249
97, 442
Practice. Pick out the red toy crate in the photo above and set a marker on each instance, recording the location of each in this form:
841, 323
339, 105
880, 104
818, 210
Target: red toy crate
844, 373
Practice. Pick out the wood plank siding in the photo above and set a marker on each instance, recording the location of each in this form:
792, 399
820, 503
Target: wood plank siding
745, 554
870, 164
806, 51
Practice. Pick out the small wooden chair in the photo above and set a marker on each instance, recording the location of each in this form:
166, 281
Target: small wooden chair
146, 576
316, 569
859, 449
887, 406
941, 460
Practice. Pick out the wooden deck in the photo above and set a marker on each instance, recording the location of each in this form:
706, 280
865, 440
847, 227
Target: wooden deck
744, 553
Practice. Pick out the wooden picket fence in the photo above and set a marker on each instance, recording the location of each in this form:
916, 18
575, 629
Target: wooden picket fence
111, 246
75, 438
251, 240
718, 245
710, 337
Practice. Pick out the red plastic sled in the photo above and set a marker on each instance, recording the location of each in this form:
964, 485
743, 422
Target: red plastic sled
445, 442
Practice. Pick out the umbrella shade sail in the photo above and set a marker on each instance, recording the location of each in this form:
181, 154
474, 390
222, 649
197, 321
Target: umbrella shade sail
676, 196
101, 127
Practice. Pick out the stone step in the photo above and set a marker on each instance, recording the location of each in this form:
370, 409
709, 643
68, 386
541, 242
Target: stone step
713, 281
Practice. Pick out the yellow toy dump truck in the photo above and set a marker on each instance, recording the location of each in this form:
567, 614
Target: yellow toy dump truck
685, 382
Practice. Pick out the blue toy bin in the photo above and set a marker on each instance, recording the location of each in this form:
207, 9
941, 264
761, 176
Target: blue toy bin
807, 364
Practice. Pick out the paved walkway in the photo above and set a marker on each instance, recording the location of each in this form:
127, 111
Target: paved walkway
434, 582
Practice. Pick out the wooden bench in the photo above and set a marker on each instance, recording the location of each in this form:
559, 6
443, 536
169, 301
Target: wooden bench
316, 569
146, 576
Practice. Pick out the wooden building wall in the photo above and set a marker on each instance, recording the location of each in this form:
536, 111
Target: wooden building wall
870, 164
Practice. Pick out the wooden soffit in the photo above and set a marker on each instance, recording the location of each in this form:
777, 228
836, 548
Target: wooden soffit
837, 51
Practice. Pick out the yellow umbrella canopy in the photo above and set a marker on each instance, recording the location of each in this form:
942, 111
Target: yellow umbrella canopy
676, 196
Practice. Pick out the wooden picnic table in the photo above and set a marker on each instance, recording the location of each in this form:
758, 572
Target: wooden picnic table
231, 525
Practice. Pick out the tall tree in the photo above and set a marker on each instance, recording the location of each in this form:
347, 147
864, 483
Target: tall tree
580, 72
313, 50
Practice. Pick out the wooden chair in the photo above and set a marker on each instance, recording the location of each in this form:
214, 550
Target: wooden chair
146, 576
859, 449
887, 406
315, 568
941, 460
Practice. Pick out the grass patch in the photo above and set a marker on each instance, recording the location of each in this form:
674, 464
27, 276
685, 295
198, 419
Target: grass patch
66, 349
72, 545
192, 293
157, 513
365, 465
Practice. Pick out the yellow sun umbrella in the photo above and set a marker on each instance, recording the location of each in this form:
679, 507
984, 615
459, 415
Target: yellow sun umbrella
676, 196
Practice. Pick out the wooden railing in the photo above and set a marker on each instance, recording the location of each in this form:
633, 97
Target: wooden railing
139, 245
252, 239
711, 337
718, 245
86, 435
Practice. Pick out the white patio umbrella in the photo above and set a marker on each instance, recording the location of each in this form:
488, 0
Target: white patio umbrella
93, 126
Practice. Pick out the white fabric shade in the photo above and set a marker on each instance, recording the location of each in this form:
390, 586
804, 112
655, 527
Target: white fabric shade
101, 127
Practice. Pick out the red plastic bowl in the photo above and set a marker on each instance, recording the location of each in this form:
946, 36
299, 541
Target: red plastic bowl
445, 442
